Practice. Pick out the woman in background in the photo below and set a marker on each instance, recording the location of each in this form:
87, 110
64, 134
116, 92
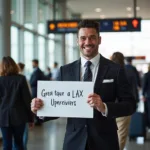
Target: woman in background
124, 122
15, 101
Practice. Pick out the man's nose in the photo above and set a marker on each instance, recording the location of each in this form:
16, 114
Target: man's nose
87, 41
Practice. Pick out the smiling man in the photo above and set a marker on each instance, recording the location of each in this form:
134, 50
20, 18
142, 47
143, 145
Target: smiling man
110, 83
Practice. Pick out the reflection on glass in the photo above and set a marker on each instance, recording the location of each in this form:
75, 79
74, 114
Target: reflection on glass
14, 43
28, 52
41, 53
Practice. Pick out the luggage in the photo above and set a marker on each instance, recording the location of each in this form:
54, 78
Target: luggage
137, 126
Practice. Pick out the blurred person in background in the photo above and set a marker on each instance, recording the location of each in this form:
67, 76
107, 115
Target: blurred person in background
133, 69
55, 71
49, 74
35, 76
25, 135
146, 95
15, 102
124, 122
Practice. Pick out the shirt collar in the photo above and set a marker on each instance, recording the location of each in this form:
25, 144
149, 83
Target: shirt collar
94, 60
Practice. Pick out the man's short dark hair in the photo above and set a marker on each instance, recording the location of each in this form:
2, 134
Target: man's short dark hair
56, 63
35, 61
129, 59
89, 24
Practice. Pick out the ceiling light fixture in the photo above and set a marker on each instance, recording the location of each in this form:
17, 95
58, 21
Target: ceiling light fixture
138, 8
128, 8
98, 10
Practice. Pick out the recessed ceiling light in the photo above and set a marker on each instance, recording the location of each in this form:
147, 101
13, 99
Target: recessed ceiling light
98, 9
102, 16
138, 8
129, 8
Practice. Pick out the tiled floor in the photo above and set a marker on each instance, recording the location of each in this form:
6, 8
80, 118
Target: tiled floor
50, 136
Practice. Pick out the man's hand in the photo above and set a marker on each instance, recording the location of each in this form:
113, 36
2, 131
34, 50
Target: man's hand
36, 104
96, 102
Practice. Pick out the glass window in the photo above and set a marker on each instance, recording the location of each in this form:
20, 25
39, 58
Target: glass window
41, 18
28, 52
15, 10
28, 14
51, 52
14, 44
41, 53
69, 47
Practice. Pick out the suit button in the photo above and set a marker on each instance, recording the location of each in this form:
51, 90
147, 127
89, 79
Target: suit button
85, 126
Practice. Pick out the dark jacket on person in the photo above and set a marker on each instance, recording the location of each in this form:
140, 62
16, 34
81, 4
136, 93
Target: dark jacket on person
132, 78
15, 101
36, 75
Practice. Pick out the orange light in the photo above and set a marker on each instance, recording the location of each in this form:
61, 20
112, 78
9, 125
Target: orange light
135, 23
67, 25
52, 26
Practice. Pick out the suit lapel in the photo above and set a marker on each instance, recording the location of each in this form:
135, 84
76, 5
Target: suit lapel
102, 70
75, 71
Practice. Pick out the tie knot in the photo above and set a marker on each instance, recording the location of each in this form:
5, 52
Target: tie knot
88, 64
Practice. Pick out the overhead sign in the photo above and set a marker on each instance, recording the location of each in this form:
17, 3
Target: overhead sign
106, 25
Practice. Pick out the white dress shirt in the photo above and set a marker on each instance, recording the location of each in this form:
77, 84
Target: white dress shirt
94, 68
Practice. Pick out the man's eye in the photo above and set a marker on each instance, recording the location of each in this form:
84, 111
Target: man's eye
82, 38
93, 37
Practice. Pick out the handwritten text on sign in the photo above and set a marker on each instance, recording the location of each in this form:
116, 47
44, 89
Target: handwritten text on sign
65, 99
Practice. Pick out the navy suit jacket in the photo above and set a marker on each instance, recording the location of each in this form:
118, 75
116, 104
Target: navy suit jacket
101, 131
36, 75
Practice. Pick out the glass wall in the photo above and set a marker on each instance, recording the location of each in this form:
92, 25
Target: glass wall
42, 9
41, 53
28, 51
14, 44
29, 39
29, 13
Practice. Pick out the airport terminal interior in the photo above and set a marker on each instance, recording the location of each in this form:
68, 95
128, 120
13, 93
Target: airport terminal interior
46, 30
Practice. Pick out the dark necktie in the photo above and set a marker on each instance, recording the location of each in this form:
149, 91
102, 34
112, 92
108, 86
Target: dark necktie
88, 72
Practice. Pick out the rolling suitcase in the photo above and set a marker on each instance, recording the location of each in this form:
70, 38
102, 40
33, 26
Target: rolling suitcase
137, 126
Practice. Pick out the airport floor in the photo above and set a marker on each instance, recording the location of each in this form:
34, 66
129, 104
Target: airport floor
50, 136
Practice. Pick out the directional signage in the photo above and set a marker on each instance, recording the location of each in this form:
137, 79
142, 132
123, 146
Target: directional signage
106, 25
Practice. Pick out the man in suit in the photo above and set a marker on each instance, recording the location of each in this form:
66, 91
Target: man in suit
110, 83
36, 75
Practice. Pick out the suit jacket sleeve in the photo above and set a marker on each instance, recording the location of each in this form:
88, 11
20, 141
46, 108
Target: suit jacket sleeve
126, 104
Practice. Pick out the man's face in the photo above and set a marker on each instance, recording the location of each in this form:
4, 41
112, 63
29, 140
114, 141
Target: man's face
34, 65
88, 41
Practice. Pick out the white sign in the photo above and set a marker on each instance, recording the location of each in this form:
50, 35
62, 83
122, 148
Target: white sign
65, 99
